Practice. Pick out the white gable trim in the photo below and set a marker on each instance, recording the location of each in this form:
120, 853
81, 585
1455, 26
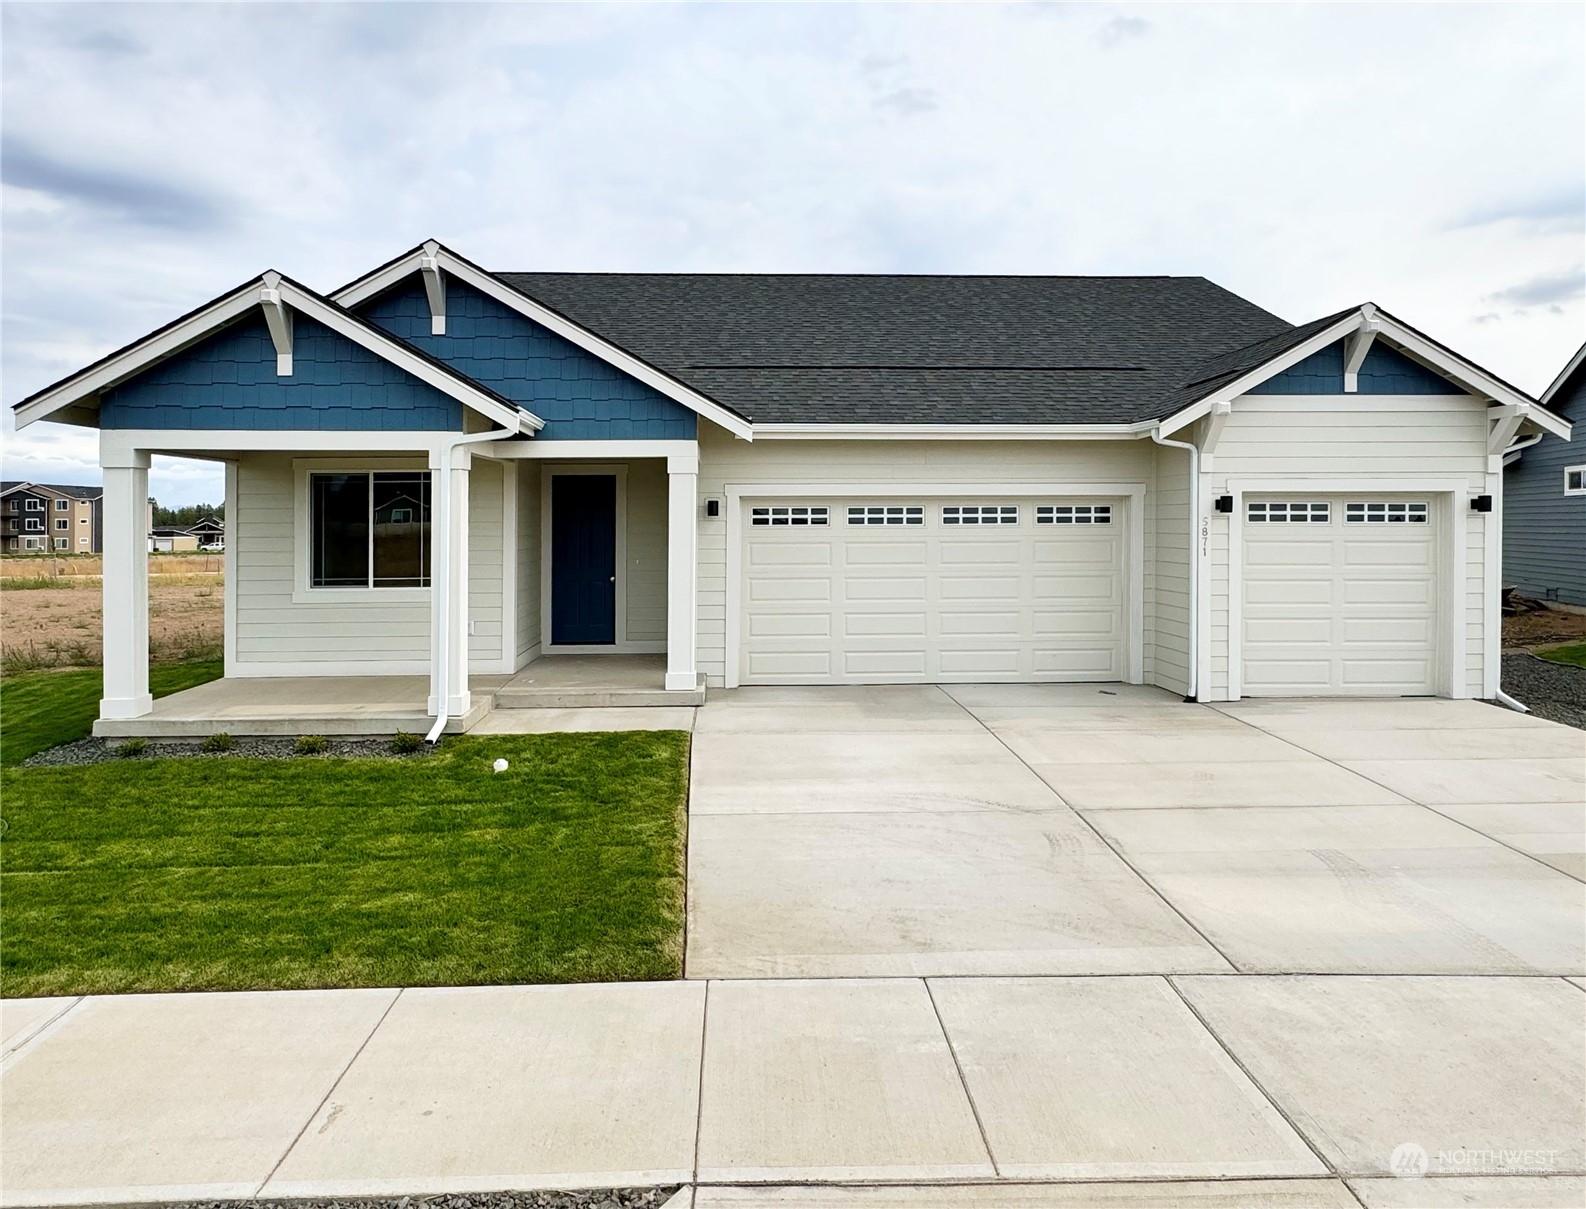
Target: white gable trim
83, 386
384, 278
1383, 326
1563, 374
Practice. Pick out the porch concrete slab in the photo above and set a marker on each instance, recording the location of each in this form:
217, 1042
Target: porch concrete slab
1446, 743
1108, 1078
489, 1088
832, 1080
1580, 982
21, 1019
293, 705
875, 710
174, 1097
1355, 713
553, 721
1473, 1192
1554, 832
1085, 696
1295, 782
1436, 782
1055, 745
814, 773
838, 895
1187, 1194
1355, 890
1362, 1065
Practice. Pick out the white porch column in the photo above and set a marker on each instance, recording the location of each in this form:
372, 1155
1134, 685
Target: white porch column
126, 584
682, 571
449, 575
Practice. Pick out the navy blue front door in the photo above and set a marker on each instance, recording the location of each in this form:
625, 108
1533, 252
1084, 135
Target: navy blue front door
583, 559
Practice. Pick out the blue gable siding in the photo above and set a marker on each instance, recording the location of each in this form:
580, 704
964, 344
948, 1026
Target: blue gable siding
1384, 372
579, 396
1544, 530
228, 380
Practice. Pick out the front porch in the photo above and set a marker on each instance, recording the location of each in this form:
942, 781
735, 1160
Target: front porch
386, 705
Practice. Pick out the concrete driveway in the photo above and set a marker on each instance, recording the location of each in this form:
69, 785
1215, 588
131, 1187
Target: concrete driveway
1083, 829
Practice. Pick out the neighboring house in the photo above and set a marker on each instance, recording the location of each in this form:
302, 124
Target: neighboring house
208, 530
790, 479
1544, 504
53, 518
172, 539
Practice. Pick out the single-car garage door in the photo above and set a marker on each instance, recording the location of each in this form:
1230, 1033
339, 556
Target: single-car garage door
877, 591
1339, 596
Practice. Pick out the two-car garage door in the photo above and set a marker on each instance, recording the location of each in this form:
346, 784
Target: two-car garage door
930, 590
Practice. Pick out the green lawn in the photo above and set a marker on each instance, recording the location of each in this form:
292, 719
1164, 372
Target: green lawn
1573, 654
43, 709
230, 874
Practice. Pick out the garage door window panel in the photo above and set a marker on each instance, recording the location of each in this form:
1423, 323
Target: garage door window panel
789, 515
980, 514
1073, 514
1385, 512
1278, 512
887, 514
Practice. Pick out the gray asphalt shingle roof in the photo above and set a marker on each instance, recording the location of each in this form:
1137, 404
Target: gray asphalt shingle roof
810, 348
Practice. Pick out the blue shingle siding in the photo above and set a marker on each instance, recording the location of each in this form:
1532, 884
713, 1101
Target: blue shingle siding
579, 396
1544, 530
228, 380
1384, 372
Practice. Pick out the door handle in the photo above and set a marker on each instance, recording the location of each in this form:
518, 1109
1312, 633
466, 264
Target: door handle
613, 579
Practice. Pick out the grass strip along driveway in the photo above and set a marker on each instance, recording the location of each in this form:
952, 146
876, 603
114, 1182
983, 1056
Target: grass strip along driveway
231, 874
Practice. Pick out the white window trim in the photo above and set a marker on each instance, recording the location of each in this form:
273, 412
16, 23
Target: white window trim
63, 522
32, 504
884, 516
1580, 470
1385, 516
63, 543
1097, 514
998, 516
303, 543
816, 516
33, 524
63, 505
30, 543
1131, 494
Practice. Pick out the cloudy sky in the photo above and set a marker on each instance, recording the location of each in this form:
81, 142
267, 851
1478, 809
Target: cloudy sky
1429, 157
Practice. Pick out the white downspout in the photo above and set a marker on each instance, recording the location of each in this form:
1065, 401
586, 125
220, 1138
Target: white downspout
440, 576
1195, 558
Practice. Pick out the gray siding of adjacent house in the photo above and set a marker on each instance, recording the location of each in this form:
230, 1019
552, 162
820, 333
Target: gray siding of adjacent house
1544, 531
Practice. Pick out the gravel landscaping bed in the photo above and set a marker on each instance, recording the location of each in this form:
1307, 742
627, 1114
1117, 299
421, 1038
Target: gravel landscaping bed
100, 751
1554, 691
595, 1198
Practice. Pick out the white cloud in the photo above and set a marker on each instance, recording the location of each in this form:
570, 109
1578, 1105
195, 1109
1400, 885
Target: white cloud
1427, 157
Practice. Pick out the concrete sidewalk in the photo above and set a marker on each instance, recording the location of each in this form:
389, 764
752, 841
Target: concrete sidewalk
1017, 1091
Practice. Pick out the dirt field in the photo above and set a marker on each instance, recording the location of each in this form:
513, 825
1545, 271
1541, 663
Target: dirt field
1541, 628
61, 627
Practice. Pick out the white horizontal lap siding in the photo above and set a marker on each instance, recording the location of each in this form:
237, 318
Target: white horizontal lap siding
646, 566
1167, 573
727, 463
485, 564
1435, 439
272, 629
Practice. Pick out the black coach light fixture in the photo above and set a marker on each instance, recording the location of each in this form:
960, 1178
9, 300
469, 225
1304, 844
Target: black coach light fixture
1225, 503
1481, 503
712, 507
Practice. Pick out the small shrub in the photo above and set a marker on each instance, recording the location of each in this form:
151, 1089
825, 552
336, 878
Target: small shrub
311, 745
216, 743
404, 743
131, 749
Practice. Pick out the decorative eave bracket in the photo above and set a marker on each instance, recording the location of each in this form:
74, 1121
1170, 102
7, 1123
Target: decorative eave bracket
1216, 421
1357, 345
434, 287
278, 317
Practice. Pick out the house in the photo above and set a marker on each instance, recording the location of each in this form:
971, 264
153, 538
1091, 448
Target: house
1544, 485
172, 539
812, 479
54, 518
208, 530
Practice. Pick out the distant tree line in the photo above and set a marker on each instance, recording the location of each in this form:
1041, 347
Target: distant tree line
187, 514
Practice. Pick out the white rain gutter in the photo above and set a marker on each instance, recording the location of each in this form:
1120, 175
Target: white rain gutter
440, 578
1192, 655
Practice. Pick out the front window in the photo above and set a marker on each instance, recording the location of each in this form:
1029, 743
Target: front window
63, 522
62, 505
34, 505
1575, 480
370, 530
